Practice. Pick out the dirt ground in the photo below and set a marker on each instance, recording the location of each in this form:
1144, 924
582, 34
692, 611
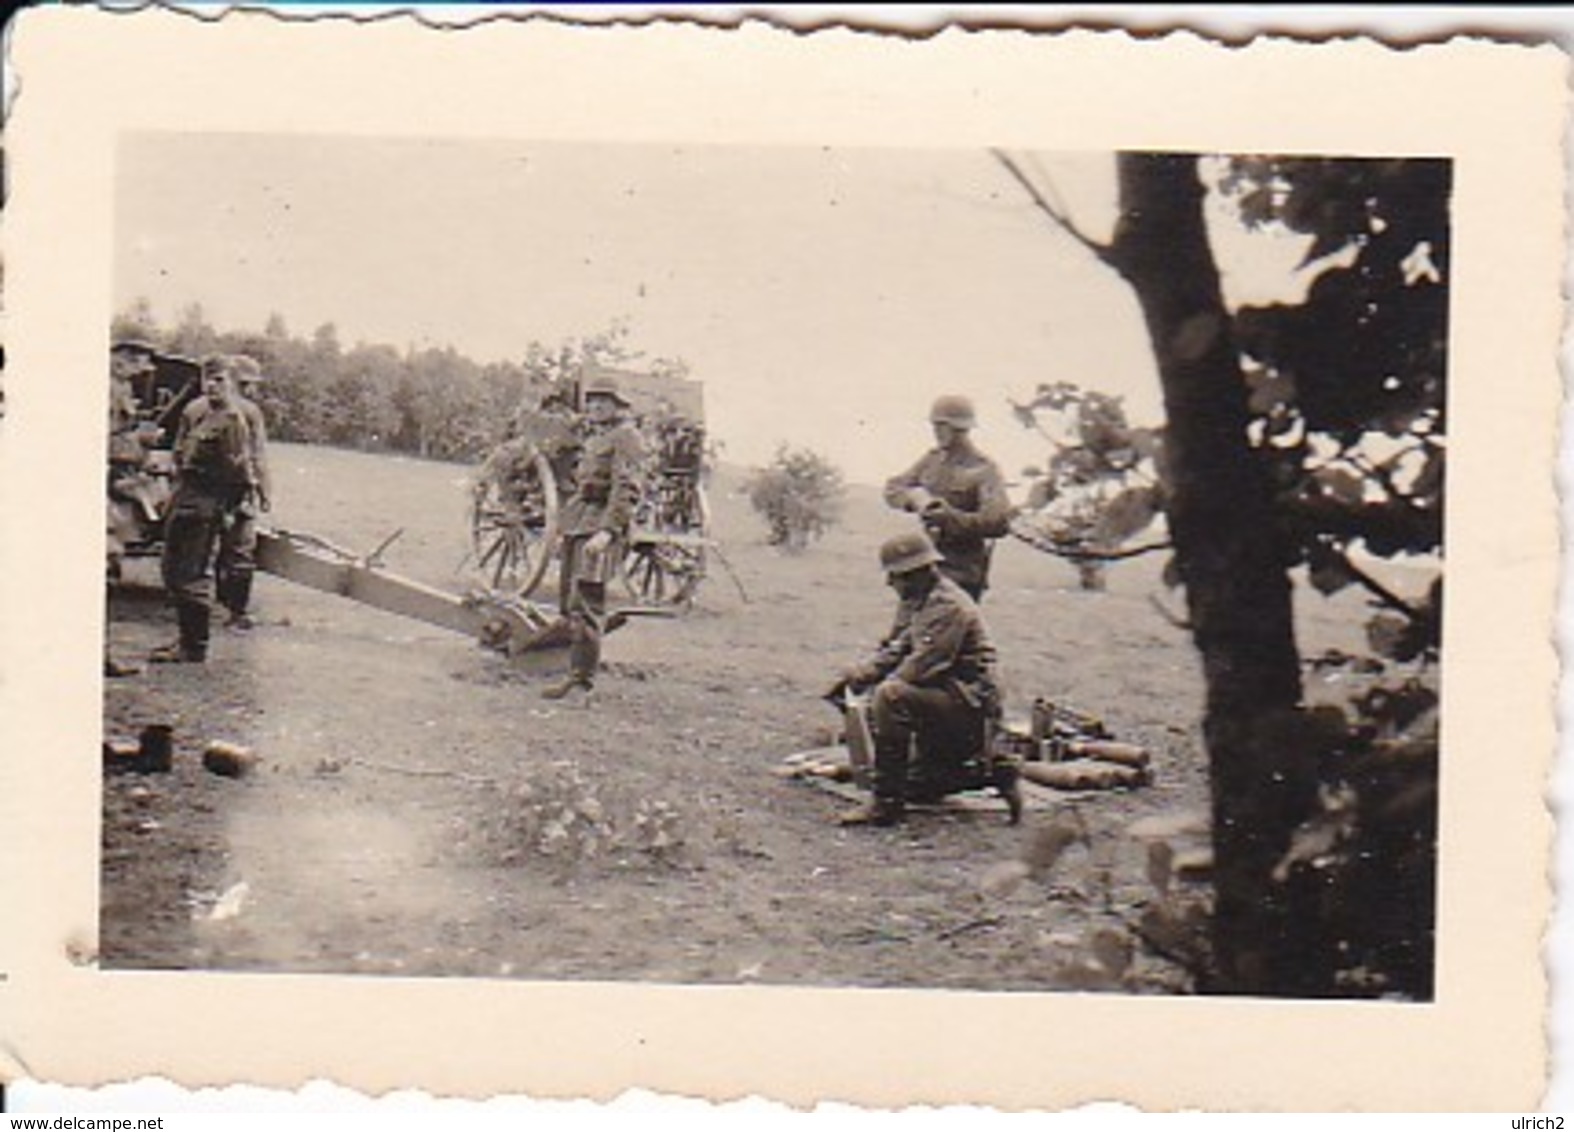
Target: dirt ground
419, 810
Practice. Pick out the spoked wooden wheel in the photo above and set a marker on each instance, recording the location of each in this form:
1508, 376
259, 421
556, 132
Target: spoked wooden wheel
666, 564
514, 520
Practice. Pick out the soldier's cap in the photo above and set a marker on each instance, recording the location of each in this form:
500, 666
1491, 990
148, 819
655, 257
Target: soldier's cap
902, 554
603, 385
953, 410
244, 368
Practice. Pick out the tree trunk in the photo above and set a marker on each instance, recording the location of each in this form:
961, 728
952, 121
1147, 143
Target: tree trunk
1238, 593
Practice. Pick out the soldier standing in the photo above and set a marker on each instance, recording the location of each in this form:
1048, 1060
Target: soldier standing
213, 479
127, 451
958, 494
127, 445
237, 558
933, 691
595, 523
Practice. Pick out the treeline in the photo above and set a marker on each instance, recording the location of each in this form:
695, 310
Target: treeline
432, 402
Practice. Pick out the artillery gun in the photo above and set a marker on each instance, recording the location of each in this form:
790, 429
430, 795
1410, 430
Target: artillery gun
521, 484
513, 520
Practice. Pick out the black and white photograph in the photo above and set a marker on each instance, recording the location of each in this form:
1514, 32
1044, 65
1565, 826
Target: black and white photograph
1048, 512
983, 568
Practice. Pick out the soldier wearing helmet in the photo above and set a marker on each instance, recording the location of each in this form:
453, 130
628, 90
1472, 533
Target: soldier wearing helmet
958, 494
595, 523
932, 691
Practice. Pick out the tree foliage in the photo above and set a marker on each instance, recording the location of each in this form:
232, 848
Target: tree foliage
432, 402
799, 495
1099, 487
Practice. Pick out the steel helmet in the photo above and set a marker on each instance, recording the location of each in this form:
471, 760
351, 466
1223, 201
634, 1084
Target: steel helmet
902, 554
604, 385
953, 410
134, 351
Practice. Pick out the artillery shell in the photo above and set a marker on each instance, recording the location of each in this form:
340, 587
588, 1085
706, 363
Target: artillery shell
1109, 751
157, 748
1084, 774
231, 760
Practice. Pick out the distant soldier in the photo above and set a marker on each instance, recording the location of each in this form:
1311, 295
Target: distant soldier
214, 477
595, 524
127, 445
127, 454
237, 558
958, 494
933, 692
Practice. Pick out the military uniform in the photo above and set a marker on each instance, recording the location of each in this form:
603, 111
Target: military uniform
214, 478
973, 508
126, 455
606, 491
933, 688
236, 564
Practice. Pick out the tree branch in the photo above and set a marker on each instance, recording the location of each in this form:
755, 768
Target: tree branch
1384, 595
1078, 554
1100, 251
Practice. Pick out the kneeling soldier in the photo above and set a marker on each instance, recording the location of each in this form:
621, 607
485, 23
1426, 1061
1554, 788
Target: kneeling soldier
933, 692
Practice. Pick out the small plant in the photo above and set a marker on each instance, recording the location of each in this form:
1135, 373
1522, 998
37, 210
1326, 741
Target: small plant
799, 496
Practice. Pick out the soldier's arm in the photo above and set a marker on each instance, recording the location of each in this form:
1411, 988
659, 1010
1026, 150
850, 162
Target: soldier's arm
623, 496
888, 656
992, 520
238, 441
937, 634
259, 456
906, 492
188, 417
993, 517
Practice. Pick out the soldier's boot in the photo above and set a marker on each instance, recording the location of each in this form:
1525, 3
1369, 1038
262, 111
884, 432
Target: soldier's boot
584, 657
192, 647
888, 806
237, 599
1006, 777
876, 811
568, 686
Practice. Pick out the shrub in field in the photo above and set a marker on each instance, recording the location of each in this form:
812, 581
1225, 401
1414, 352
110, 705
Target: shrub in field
799, 496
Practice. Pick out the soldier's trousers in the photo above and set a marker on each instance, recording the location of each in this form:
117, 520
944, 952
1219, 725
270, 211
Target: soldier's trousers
191, 537
935, 726
582, 599
237, 560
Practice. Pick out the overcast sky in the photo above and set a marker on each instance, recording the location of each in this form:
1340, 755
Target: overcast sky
824, 296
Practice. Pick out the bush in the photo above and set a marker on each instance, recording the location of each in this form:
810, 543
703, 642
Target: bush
799, 496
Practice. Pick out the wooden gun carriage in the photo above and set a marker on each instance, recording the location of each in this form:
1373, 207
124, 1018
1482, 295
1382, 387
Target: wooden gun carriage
522, 484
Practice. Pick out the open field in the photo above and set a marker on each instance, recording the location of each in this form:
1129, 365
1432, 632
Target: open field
420, 810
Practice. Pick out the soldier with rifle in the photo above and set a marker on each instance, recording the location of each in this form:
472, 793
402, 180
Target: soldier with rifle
595, 524
958, 494
932, 692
